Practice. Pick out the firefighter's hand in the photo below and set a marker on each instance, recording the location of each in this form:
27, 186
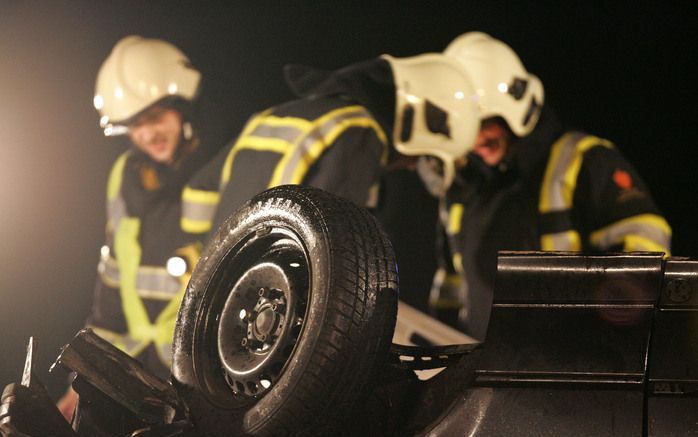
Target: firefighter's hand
66, 404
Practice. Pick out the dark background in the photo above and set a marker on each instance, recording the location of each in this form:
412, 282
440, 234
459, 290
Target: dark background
623, 73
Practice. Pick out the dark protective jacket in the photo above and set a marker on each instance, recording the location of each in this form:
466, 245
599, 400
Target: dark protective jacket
558, 190
332, 138
147, 258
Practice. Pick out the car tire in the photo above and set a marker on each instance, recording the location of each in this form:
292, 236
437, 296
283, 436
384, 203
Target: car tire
287, 317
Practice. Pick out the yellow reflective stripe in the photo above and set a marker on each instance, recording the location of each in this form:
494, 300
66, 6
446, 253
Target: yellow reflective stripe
281, 168
297, 160
253, 143
544, 204
116, 176
165, 322
167, 318
116, 207
191, 253
644, 230
563, 241
458, 262
128, 255
195, 226
455, 215
200, 196
319, 146
198, 209
560, 180
300, 123
228, 164
642, 244
140, 331
264, 144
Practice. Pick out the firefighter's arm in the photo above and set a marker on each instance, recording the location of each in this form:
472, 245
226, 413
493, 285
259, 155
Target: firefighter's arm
616, 207
201, 196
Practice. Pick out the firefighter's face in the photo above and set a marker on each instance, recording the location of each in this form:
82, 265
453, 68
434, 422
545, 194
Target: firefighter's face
492, 142
157, 133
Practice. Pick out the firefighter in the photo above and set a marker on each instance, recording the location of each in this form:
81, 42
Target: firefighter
347, 128
148, 90
530, 184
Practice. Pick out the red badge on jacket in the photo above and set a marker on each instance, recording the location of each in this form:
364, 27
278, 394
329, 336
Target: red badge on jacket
623, 179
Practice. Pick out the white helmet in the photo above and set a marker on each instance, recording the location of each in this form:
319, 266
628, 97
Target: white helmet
504, 88
434, 112
138, 73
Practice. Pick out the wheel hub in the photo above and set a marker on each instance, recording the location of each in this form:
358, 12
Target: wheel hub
259, 324
265, 321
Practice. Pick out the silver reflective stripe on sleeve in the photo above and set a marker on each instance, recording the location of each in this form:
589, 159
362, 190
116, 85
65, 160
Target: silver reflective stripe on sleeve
560, 179
642, 232
198, 211
282, 132
319, 134
564, 152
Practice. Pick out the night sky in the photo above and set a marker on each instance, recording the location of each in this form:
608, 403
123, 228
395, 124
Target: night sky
624, 74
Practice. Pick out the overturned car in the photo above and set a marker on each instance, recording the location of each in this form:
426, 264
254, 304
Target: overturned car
286, 329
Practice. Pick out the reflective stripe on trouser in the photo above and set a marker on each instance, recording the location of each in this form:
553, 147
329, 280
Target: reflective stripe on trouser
644, 232
559, 184
448, 289
151, 282
116, 206
198, 209
140, 329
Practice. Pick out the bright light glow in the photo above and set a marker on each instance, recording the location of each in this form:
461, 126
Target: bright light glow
104, 251
119, 93
104, 121
98, 101
172, 88
265, 383
295, 265
502, 87
176, 266
111, 130
243, 314
412, 98
460, 95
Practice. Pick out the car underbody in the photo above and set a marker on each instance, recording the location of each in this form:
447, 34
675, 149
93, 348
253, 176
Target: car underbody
577, 344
